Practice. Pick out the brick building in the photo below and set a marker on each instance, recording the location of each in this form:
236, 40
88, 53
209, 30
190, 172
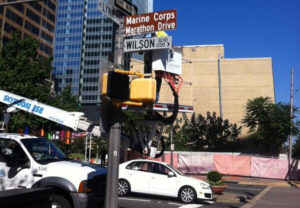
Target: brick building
35, 19
241, 79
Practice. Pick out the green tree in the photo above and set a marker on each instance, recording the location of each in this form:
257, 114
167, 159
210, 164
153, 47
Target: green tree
296, 148
210, 133
21, 70
180, 137
24, 73
269, 123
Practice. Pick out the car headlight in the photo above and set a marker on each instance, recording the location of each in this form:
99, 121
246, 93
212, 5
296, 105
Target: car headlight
204, 185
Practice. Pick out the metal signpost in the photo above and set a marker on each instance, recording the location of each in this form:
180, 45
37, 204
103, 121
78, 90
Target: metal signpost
134, 25
109, 11
143, 44
126, 7
150, 22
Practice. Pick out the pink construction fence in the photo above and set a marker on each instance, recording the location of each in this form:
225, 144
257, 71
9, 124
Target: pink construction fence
230, 164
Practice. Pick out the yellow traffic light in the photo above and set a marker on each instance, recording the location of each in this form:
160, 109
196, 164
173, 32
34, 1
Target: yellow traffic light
116, 85
143, 90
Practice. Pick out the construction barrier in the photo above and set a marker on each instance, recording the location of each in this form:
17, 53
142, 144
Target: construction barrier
230, 164
193, 163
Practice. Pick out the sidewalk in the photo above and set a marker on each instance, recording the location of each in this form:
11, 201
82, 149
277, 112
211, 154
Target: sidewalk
255, 181
227, 197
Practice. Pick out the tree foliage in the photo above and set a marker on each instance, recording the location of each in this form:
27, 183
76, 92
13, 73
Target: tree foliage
296, 148
270, 123
210, 133
21, 70
24, 73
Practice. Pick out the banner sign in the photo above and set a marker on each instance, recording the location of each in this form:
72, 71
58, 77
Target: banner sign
150, 22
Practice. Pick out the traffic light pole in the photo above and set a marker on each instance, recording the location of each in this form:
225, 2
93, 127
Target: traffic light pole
111, 198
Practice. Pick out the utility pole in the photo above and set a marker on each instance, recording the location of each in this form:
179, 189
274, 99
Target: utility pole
172, 144
291, 136
111, 198
90, 148
220, 86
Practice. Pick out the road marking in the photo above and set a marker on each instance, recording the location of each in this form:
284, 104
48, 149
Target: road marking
258, 197
209, 202
191, 206
172, 203
252, 189
134, 199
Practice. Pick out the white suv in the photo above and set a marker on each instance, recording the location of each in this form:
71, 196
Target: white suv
29, 162
158, 178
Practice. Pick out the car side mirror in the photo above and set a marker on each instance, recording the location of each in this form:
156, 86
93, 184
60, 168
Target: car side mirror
171, 174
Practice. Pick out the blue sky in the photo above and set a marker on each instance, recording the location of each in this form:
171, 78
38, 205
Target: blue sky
247, 28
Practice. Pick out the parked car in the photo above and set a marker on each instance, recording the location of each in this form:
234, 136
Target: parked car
158, 178
32, 162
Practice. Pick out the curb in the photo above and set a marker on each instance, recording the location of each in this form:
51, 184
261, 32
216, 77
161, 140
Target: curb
235, 198
275, 184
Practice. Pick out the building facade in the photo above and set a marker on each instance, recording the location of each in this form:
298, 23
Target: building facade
241, 79
84, 39
35, 19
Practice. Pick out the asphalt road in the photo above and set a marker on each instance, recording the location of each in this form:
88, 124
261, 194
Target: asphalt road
146, 201
279, 197
248, 191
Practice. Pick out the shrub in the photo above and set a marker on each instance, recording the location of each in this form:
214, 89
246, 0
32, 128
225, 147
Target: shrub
214, 176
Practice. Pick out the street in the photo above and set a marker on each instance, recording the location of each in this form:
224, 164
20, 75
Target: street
146, 201
279, 197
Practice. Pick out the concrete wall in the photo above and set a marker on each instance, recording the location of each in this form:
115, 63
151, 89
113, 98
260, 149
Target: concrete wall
242, 79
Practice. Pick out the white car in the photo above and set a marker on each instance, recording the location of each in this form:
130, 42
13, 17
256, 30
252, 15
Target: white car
158, 178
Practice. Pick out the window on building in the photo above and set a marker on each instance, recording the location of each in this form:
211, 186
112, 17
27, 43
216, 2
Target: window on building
48, 26
19, 7
46, 49
33, 16
36, 6
47, 37
49, 15
50, 4
14, 17
30, 27
9, 28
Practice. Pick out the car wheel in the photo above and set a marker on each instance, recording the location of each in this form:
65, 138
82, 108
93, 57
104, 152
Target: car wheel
124, 188
187, 194
59, 201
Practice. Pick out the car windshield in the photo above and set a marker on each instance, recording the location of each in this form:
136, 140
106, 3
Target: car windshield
43, 151
175, 170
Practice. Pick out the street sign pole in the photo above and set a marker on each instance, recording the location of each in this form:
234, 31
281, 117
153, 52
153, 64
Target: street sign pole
111, 198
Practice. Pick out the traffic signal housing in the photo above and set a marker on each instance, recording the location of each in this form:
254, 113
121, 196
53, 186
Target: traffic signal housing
139, 91
115, 85
143, 90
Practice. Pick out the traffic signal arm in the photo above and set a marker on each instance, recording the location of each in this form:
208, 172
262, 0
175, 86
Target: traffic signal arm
119, 71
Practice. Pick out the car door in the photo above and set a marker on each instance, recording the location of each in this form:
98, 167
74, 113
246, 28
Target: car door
14, 170
160, 182
138, 176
